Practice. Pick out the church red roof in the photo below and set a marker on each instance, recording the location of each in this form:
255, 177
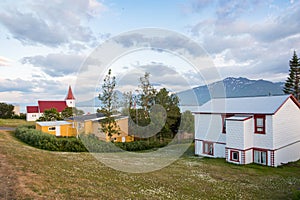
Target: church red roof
70, 94
46, 105
32, 109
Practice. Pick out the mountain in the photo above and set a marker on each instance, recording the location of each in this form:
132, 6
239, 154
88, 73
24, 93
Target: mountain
234, 87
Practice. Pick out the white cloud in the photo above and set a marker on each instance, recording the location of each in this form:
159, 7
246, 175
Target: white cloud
51, 23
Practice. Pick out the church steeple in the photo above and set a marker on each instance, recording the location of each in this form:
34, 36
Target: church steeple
70, 99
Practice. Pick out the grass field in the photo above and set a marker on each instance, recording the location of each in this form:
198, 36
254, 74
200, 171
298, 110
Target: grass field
29, 173
14, 122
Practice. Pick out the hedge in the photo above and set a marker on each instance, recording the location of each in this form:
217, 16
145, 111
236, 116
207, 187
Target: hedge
85, 143
49, 142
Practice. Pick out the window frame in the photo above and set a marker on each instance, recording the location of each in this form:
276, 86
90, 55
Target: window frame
231, 156
208, 152
261, 151
263, 117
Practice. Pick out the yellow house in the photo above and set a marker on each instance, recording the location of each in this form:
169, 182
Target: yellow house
90, 124
57, 128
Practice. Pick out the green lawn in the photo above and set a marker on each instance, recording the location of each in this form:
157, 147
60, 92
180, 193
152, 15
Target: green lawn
30, 173
14, 122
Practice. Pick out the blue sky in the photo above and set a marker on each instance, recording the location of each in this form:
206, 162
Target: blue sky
44, 43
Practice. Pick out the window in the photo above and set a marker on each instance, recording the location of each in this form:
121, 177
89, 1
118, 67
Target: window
208, 148
224, 116
259, 121
52, 128
234, 156
260, 157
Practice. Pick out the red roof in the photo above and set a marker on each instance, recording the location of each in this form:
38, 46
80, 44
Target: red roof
46, 105
70, 94
32, 109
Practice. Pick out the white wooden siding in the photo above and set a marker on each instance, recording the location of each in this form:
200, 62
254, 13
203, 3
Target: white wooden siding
288, 154
264, 141
286, 125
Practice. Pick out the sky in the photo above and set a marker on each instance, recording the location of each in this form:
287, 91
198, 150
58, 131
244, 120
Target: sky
45, 46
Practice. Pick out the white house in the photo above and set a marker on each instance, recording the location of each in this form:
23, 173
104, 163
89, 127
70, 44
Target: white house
35, 112
263, 130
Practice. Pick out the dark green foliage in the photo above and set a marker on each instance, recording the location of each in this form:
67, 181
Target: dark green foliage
296, 195
47, 141
292, 84
21, 116
50, 115
6, 111
140, 145
67, 112
170, 104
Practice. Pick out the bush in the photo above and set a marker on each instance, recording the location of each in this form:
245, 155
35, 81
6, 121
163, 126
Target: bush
140, 145
29, 135
46, 141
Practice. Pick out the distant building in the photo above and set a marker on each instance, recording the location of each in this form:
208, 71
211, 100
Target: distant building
90, 124
57, 128
16, 109
262, 130
35, 112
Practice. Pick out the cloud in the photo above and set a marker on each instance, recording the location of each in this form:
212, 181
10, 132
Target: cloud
4, 61
171, 42
160, 76
56, 65
51, 23
278, 28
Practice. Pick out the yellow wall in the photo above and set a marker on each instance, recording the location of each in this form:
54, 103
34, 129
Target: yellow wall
94, 127
66, 130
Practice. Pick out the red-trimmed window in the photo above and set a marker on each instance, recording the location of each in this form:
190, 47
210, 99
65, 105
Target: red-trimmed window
224, 116
260, 124
234, 156
208, 148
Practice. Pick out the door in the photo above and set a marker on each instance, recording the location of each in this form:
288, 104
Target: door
260, 157
57, 128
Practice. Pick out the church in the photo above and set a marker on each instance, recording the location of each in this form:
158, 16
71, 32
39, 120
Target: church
35, 112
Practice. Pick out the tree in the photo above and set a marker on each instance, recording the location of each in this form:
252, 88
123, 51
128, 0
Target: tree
67, 112
109, 100
147, 92
292, 84
77, 112
50, 115
170, 104
127, 103
6, 110
187, 122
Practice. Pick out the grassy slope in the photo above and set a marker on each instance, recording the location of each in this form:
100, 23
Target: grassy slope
39, 174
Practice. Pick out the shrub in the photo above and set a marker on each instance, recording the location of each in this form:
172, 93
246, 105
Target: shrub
46, 141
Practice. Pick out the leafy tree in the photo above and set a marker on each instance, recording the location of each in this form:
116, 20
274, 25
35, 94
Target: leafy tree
77, 111
67, 112
187, 122
147, 92
292, 84
6, 110
50, 115
170, 104
127, 102
109, 100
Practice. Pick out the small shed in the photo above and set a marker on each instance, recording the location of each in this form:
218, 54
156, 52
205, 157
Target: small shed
57, 128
